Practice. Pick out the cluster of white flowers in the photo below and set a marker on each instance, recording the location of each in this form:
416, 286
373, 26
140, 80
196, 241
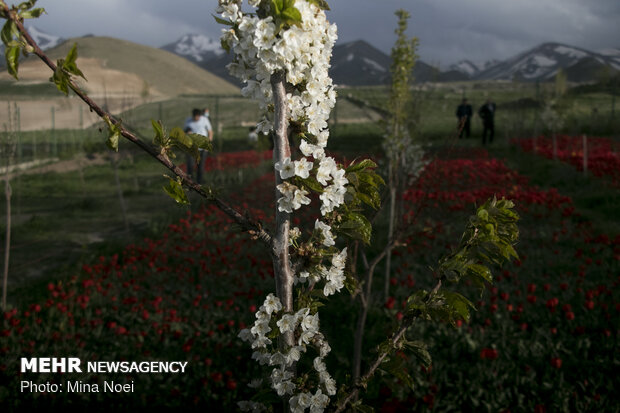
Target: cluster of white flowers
261, 48
305, 327
303, 51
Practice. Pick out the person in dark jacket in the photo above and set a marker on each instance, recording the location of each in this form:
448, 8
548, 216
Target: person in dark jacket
487, 114
464, 114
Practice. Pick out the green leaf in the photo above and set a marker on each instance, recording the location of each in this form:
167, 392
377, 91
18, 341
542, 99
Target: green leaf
373, 199
72, 54
9, 32
112, 141
311, 183
396, 367
321, 4
459, 304
364, 164
357, 226
114, 134
27, 5
420, 350
32, 14
225, 45
61, 78
12, 60
201, 141
185, 142
371, 178
277, 6
69, 63
351, 284
158, 127
222, 21
480, 271
175, 190
181, 138
291, 15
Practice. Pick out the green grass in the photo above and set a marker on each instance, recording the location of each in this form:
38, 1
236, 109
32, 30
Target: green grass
25, 90
60, 220
518, 108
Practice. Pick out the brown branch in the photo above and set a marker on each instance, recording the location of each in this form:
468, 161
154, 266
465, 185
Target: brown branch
361, 383
354, 390
247, 224
366, 302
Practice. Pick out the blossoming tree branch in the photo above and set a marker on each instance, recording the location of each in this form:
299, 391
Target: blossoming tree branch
282, 50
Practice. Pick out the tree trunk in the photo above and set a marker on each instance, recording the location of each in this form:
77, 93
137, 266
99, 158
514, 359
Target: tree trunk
281, 260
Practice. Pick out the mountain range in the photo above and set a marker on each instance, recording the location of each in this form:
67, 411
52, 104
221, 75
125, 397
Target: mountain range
359, 63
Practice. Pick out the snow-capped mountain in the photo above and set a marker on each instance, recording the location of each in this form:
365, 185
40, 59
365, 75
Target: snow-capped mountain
196, 47
44, 40
359, 63
543, 62
613, 55
471, 69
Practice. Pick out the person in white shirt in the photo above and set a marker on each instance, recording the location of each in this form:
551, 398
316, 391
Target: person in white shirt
198, 123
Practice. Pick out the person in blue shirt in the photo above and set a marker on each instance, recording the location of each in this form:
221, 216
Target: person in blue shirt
198, 123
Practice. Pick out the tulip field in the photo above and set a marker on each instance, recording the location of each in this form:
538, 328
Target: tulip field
544, 337
602, 154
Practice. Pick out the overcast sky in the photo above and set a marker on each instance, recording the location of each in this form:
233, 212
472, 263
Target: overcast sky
449, 30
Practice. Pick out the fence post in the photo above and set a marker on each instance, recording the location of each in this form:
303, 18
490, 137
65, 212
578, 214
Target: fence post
585, 155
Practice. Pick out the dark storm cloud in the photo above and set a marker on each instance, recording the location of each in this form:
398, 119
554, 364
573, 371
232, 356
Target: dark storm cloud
449, 30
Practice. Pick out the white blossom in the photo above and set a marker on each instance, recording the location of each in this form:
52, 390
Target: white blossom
272, 304
310, 323
303, 168
287, 323
286, 168
328, 238
319, 402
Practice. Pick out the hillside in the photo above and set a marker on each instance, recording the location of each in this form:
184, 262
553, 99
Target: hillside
117, 67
